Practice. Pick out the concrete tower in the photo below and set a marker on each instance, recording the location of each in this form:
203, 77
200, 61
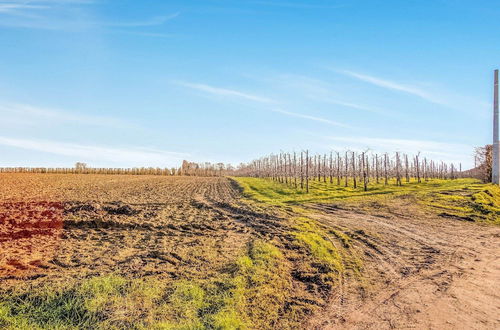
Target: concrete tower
496, 145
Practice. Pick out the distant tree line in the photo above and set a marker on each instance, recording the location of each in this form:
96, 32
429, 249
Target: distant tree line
186, 169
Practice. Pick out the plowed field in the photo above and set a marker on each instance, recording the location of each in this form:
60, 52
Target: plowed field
65, 226
113, 251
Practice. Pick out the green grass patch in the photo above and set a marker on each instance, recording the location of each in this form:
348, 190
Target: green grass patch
478, 202
468, 199
258, 289
252, 294
101, 302
315, 240
344, 239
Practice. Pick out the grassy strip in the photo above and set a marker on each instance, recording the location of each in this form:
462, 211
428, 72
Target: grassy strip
474, 202
321, 255
101, 302
308, 233
258, 289
315, 240
251, 295
464, 198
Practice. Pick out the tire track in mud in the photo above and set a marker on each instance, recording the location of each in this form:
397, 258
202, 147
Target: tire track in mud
414, 267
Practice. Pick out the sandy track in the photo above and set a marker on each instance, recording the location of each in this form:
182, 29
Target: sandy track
420, 272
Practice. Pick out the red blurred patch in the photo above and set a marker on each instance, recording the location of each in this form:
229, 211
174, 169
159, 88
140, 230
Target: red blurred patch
29, 234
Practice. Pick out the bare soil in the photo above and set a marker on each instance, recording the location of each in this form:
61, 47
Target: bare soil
420, 272
57, 227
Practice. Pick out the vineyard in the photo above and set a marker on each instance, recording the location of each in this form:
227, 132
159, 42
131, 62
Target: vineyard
356, 169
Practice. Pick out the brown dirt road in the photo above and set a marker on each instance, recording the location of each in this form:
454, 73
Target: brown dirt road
421, 272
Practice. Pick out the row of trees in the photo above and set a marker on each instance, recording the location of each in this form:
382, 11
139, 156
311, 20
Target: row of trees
298, 169
348, 169
186, 169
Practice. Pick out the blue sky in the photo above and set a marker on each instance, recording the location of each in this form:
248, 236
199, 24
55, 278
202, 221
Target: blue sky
149, 83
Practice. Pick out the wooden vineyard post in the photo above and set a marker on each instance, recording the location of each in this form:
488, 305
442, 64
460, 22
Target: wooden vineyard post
324, 168
346, 169
417, 165
285, 169
426, 175
331, 167
313, 167
398, 168
367, 170
354, 170
301, 170
363, 171
307, 171
290, 173
319, 168
407, 173
279, 169
295, 169
338, 169
385, 170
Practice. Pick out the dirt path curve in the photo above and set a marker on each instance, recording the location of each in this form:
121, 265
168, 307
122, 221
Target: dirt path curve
421, 272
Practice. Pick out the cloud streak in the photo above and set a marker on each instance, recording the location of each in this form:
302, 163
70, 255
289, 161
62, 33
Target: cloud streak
313, 118
317, 90
218, 91
125, 156
391, 85
64, 15
15, 8
154, 21
28, 114
297, 5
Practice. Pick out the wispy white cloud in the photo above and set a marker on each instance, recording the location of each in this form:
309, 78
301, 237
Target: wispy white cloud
122, 156
142, 34
321, 91
388, 84
20, 7
313, 118
218, 91
15, 8
65, 15
159, 20
33, 115
445, 151
299, 5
